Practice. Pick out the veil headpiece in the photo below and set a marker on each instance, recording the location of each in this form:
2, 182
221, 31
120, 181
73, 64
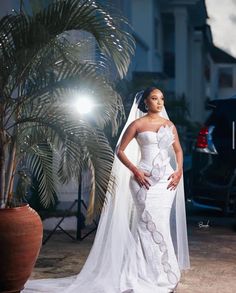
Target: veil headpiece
114, 243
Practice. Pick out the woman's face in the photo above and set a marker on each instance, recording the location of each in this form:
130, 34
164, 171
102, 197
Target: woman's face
155, 101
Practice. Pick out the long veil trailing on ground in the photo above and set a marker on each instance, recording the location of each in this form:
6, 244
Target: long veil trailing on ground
114, 244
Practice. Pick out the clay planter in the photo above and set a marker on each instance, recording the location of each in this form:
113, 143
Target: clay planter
21, 234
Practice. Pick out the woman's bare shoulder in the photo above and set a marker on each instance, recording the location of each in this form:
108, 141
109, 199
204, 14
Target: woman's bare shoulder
134, 125
137, 122
169, 122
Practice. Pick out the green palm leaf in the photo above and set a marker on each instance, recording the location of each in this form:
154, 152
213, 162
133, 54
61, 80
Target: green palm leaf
28, 35
42, 73
81, 146
40, 163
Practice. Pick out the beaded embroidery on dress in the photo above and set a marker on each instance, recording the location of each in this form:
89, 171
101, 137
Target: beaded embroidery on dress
158, 269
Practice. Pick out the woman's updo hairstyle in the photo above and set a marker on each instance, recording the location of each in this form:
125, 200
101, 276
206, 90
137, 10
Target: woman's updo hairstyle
146, 93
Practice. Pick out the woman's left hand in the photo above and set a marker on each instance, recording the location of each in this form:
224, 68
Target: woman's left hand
175, 178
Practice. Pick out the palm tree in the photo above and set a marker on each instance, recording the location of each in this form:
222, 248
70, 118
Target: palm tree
40, 74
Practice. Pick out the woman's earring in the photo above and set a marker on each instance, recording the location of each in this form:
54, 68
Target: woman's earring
146, 107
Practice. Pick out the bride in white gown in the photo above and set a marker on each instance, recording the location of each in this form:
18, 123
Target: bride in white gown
141, 243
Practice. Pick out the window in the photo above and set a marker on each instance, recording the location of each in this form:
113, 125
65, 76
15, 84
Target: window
225, 77
168, 25
169, 63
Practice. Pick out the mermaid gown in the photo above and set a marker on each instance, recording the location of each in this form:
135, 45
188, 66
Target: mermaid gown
158, 270
154, 267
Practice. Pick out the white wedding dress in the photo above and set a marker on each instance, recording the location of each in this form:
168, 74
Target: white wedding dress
157, 266
151, 264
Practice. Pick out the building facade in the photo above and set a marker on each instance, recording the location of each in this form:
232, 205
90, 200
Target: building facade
172, 46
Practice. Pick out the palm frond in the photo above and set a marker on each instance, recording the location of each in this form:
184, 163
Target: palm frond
82, 146
99, 160
39, 161
27, 35
40, 75
45, 96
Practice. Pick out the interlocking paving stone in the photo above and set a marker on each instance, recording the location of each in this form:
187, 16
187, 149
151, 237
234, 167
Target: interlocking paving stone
212, 255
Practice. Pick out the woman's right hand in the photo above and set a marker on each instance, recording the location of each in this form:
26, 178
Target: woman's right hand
141, 178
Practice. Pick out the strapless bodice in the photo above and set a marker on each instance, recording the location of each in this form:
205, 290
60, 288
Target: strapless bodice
154, 145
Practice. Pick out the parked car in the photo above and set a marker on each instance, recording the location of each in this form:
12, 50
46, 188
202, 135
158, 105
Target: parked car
213, 176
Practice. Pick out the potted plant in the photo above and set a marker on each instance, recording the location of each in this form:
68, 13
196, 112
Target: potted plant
41, 133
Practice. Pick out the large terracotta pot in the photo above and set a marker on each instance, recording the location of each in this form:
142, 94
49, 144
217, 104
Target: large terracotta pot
21, 234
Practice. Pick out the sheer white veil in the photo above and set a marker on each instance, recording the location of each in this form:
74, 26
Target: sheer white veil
114, 244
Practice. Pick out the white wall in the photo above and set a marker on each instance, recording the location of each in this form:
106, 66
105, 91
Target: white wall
142, 20
181, 52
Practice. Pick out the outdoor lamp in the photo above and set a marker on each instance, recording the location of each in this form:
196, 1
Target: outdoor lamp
84, 104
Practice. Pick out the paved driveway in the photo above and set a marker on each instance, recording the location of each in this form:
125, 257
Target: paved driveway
212, 254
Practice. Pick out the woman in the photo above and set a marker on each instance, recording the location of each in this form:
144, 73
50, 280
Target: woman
153, 186
141, 241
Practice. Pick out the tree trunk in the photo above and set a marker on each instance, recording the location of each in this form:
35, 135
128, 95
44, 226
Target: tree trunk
10, 172
2, 167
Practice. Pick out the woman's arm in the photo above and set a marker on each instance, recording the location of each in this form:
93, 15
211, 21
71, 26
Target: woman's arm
176, 176
178, 151
128, 135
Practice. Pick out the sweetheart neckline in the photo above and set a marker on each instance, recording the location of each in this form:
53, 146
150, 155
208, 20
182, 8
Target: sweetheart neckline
162, 126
